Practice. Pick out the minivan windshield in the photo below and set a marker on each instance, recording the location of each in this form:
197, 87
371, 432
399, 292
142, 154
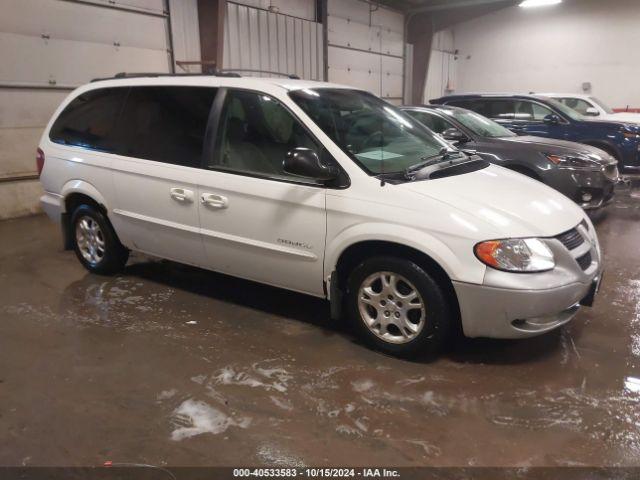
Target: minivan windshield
478, 124
375, 134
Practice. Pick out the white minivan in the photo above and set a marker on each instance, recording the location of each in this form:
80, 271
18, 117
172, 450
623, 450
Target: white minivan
321, 189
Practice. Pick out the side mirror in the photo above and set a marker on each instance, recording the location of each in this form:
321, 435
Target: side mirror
454, 135
304, 162
551, 119
592, 112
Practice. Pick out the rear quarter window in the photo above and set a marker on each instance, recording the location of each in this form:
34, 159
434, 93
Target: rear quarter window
89, 119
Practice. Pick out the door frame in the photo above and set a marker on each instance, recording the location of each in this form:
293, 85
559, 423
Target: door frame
210, 146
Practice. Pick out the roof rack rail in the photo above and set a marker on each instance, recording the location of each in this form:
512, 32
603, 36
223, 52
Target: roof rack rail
231, 72
120, 75
292, 76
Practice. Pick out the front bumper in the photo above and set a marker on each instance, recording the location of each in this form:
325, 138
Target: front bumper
589, 189
517, 305
508, 313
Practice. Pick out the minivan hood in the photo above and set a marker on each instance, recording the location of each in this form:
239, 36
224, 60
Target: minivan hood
558, 147
512, 204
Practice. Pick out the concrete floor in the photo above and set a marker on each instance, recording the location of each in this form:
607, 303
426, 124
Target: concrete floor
170, 365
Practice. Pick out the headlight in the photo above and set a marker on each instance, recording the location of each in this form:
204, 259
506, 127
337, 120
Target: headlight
631, 132
572, 161
525, 255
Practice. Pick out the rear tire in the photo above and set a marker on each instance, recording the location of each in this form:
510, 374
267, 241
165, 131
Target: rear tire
95, 242
397, 307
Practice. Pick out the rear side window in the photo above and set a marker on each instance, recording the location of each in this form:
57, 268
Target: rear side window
500, 109
496, 109
165, 124
88, 121
476, 105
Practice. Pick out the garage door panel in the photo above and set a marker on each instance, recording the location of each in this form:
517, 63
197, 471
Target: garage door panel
359, 69
353, 10
352, 34
392, 42
107, 26
18, 152
69, 62
152, 6
357, 78
344, 59
389, 19
28, 108
20, 198
392, 86
376, 34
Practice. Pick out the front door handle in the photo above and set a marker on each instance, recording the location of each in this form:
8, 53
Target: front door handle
181, 195
214, 201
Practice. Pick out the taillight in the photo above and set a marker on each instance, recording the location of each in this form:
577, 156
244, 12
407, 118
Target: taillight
40, 160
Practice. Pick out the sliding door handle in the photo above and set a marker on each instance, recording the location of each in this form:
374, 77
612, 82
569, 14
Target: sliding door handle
181, 195
214, 201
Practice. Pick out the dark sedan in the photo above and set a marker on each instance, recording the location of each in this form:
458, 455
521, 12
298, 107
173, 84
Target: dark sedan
583, 173
545, 117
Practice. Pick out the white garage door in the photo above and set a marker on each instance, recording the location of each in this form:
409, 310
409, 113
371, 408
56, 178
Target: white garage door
366, 47
48, 47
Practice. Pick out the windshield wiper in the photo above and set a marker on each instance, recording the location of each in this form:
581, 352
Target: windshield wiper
442, 156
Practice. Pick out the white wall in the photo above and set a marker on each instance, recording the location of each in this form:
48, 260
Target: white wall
442, 70
555, 49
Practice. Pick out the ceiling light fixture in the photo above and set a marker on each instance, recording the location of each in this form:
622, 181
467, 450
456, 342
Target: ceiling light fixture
538, 3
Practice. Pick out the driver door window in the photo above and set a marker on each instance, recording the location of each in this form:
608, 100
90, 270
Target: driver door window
254, 135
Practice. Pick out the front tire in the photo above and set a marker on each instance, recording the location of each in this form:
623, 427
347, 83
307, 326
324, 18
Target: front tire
397, 307
95, 242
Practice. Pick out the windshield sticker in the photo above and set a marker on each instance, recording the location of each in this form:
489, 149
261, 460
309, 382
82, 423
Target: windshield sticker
378, 155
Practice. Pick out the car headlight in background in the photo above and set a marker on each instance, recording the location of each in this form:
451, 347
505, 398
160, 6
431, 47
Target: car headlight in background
572, 161
631, 132
523, 255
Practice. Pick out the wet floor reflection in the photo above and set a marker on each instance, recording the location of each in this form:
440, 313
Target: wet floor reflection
169, 364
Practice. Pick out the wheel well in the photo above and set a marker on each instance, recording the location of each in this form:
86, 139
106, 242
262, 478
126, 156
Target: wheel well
355, 254
74, 200
71, 202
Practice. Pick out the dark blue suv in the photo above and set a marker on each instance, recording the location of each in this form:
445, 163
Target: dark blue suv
546, 117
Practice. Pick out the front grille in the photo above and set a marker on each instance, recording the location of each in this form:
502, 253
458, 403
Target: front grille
571, 239
584, 261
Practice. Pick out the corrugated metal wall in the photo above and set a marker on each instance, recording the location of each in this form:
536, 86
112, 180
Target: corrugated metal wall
257, 39
185, 31
366, 47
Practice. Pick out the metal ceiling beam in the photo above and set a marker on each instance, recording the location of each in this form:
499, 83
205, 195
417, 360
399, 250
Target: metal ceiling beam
452, 5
